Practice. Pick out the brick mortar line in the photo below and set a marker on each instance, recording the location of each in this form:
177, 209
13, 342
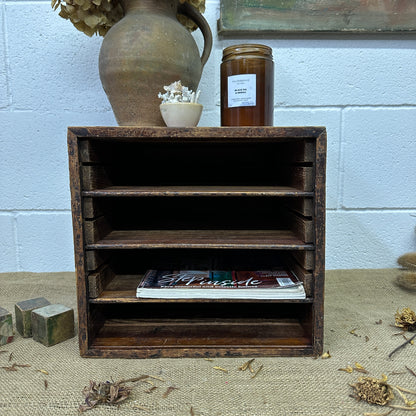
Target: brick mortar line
411, 211
5, 39
34, 211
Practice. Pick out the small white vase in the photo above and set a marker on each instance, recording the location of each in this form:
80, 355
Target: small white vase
181, 114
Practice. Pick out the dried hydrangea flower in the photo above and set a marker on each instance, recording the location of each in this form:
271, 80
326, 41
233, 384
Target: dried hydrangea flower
98, 16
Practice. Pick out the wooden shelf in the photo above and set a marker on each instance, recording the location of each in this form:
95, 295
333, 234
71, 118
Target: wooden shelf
122, 289
201, 337
253, 239
184, 191
236, 198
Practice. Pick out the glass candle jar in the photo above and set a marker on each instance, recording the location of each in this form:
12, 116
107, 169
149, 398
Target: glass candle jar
247, 86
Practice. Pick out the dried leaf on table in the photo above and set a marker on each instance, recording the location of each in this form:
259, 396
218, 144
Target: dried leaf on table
106, 393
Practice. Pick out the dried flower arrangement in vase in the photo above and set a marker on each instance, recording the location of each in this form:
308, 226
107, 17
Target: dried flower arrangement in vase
137, 58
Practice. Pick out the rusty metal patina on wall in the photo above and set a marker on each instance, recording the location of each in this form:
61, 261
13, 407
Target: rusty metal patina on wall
282, 16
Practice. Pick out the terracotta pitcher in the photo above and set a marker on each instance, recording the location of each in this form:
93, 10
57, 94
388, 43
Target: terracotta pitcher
147, 49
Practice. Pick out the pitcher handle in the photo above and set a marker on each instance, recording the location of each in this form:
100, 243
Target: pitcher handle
190, 11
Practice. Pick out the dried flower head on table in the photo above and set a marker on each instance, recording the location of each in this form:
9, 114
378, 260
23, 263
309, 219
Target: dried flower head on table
406, 319
373, 390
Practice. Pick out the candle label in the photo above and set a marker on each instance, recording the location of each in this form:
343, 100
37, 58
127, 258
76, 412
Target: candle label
242, 90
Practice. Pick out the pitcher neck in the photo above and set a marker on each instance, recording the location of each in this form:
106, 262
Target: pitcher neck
145, 6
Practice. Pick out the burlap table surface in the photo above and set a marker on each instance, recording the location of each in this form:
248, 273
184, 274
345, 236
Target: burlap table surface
359, 313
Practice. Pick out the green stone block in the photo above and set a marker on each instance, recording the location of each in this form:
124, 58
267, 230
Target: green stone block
6, 327
23, 311
52, 324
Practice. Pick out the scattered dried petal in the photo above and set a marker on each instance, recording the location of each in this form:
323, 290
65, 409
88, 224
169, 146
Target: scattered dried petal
137, 406
246, 365
326, 355
168, 391
258, 371
45, 382
378, 414
220, 368
43, 372
151, 389
410, 371
393, 406
14, 366
405, 390
360, 368
11, 368
347, 369
157, 378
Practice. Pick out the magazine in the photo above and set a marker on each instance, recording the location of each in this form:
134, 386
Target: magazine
220, 284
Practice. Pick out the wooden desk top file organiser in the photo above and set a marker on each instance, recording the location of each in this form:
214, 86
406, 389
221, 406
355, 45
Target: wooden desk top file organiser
169, 198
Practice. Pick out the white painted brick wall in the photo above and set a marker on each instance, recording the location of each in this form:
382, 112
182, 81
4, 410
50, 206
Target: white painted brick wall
361, 87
